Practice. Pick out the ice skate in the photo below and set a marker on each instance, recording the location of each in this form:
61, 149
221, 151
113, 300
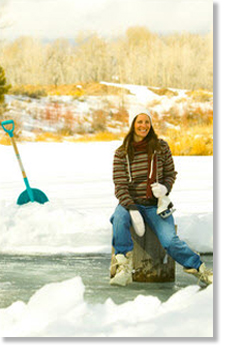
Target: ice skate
165, 207
203, 274
121, 269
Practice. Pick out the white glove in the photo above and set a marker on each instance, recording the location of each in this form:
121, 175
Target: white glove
137, 222
159, 190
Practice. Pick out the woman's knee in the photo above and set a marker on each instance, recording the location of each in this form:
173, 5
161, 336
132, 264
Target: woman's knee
173, 243
169, 240
121, 215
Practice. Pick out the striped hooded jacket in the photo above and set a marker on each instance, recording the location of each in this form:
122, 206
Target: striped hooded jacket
131, 177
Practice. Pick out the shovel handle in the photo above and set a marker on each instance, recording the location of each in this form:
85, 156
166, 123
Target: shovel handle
25, 179
8, 122
10, 132
18, 157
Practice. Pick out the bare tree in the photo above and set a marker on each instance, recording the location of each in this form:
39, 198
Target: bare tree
91, 57
23, 61
140, 57
58, 58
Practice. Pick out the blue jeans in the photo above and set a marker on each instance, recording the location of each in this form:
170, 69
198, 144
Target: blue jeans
163, 228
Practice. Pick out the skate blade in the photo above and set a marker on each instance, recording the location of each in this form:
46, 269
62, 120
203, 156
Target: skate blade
165, 214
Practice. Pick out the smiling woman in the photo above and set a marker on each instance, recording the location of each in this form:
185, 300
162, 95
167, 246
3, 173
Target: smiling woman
143, 175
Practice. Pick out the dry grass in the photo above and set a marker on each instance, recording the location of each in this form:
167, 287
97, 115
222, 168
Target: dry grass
184, 142
49, 137
163, 92
76, 90
188, 130
32, 91
200, 95
101, 136
5, 140
192, 141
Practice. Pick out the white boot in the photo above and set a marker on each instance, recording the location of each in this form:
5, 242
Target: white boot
165, 207
203, 274
124, 267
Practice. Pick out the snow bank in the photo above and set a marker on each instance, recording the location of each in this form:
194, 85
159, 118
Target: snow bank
51, 229
59, 310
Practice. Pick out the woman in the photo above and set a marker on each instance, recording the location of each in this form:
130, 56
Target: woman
143, 172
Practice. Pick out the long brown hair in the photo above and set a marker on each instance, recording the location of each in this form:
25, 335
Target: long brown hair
152, 142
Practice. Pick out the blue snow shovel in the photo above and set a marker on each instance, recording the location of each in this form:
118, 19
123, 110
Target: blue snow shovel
30, 194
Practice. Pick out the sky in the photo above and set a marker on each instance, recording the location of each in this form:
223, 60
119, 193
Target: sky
52, 19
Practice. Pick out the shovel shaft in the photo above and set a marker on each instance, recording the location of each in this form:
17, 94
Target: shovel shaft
18, 157
29, 190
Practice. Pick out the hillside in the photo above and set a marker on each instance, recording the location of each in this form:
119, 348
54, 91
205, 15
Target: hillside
88, 112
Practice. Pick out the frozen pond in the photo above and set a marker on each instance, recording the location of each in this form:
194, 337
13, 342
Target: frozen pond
21, 276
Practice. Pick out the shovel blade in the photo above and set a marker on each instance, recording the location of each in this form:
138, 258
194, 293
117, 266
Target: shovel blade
38, 195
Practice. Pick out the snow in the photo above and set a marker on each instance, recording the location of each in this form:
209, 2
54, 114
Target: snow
142, 93
142, 96
77, 178
145, 316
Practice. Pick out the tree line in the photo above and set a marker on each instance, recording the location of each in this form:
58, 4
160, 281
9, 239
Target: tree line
141, 57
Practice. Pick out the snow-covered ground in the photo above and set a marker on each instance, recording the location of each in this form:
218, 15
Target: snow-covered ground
77, 178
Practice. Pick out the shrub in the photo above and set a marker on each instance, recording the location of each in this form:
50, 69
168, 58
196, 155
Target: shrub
68, 123
29, 91
197, 140
200, 95
163, 92
52, 113
4, 88
121, 115
99, 120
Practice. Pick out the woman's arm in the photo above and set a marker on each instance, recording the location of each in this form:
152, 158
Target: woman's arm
121, 181
169, 173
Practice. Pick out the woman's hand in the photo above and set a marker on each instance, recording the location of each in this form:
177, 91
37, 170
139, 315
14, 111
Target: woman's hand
159, 190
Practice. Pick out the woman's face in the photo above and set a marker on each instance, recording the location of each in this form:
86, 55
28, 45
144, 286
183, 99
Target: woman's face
142, 126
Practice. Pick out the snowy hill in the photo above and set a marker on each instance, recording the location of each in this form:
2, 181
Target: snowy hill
71, 116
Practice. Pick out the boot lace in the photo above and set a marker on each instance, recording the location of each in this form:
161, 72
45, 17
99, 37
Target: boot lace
204, 275
120, 267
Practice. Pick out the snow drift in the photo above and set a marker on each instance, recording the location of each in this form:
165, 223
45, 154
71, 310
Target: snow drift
146, 316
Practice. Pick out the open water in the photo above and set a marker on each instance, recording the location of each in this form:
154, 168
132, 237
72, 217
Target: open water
22, 275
